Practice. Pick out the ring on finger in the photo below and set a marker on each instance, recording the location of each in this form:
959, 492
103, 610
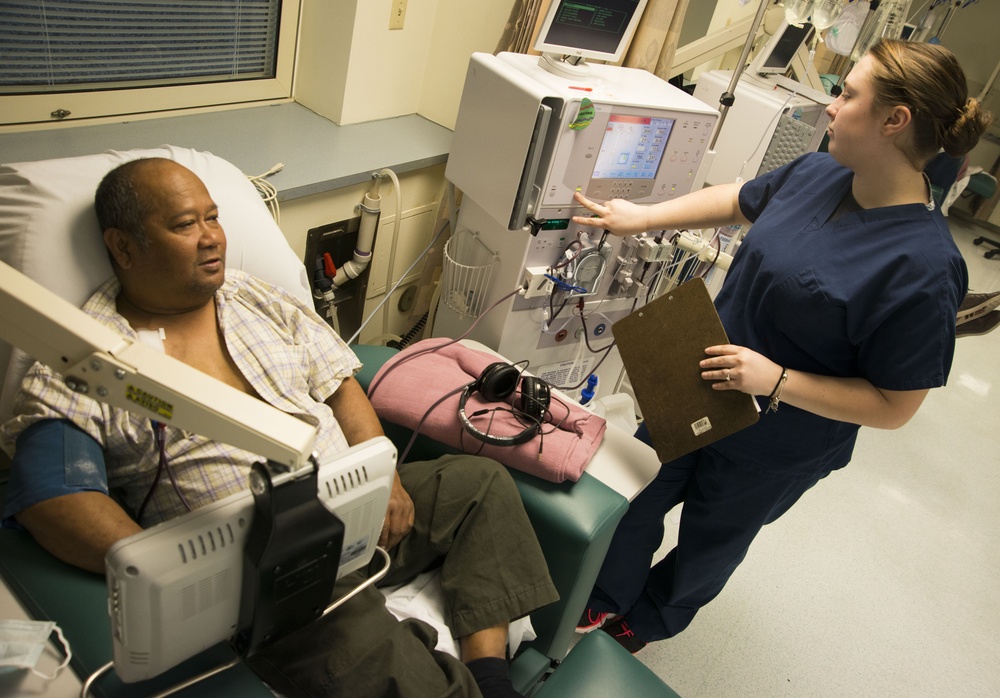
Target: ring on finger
727, 374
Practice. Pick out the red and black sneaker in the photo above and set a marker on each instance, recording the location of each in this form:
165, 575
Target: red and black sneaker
592, 620
623, 634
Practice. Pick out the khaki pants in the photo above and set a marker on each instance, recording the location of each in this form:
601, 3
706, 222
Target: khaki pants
470, 523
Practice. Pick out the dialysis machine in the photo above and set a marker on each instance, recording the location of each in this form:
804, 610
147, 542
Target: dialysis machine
774, 118
527, 137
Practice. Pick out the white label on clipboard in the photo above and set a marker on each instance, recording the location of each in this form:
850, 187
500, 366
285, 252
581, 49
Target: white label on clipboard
701, 426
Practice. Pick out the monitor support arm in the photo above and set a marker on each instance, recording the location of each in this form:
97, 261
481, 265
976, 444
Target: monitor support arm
98, 362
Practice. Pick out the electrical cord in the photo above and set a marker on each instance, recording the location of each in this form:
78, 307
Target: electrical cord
375, 383
716, 243
395, 240
569, 260
416, 429
159, 431
774, 120
267, 190
388, 294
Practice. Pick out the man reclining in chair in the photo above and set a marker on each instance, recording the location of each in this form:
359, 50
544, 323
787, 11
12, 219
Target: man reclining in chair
461, 513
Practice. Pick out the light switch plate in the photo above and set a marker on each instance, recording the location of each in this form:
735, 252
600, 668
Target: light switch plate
398, 14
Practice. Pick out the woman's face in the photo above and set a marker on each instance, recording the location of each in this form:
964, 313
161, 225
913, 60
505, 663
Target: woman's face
855, 121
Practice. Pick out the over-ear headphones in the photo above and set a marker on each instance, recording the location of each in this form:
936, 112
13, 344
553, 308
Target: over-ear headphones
497, 383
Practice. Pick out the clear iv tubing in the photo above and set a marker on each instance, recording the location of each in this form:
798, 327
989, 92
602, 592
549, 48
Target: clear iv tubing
584, 342
388, 294
562, 327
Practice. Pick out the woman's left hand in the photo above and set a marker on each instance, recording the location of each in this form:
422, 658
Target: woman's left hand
731, 367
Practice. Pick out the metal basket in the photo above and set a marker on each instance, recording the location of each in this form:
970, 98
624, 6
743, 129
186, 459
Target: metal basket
465, 279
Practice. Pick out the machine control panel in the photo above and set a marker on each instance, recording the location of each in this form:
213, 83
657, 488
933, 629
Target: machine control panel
640, 154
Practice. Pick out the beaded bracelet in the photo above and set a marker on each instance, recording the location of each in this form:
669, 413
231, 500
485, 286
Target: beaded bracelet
775, 396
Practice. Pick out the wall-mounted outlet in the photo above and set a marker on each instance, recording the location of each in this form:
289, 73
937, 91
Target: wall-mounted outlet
398, 14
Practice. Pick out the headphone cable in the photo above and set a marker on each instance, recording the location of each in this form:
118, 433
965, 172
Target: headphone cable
416, 429
375, 383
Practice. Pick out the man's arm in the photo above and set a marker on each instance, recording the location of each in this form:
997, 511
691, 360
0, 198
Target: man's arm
58, 491
359, 423
354, 412
78, 528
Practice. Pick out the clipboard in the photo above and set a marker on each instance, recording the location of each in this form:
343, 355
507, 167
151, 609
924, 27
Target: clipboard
661, 345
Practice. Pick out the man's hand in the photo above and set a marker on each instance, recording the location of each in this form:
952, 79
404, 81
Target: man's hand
398, 518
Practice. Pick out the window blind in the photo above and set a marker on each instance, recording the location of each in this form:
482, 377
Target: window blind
49, 46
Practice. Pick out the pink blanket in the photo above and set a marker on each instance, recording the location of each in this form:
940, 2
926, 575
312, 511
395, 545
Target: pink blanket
404, 395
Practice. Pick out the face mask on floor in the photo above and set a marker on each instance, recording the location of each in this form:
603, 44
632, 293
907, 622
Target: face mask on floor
22, 643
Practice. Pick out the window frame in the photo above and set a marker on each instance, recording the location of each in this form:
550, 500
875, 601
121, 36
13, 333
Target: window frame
44, 108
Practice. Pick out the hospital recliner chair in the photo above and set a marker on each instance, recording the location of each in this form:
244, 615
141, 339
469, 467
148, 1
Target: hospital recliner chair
574, 522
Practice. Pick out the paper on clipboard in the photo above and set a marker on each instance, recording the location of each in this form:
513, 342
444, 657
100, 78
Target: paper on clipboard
661, 345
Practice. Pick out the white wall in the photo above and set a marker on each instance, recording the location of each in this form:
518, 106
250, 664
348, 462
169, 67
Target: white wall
326, 34
352, 68
386, 73
459, 31
726, 12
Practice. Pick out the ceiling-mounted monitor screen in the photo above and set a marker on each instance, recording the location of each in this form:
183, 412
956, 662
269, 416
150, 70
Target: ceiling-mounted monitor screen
777, 55
589, 29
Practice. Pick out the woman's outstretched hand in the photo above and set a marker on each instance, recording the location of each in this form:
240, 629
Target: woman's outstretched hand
617, 216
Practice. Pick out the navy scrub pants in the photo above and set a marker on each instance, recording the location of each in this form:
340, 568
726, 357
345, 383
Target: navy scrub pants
725, 505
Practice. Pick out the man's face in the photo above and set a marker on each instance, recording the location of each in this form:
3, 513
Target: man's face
184, 264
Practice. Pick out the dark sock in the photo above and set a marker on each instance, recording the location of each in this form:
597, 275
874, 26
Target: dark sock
492, 677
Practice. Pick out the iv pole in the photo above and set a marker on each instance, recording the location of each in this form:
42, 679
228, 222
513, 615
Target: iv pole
729, 96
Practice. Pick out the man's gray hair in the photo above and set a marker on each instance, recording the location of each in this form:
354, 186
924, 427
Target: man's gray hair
118, 204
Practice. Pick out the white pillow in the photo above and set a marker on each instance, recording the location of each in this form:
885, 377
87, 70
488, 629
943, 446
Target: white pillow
49, 231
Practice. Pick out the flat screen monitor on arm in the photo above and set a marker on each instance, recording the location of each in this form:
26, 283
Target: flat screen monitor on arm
780, 50
575, 31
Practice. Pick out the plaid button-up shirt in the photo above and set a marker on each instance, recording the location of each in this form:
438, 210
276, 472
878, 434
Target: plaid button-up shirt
290, 356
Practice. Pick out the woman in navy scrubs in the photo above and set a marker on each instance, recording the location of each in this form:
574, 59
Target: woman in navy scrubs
840, 308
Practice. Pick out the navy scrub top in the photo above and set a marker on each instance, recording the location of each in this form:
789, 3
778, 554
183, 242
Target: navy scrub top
873, 294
